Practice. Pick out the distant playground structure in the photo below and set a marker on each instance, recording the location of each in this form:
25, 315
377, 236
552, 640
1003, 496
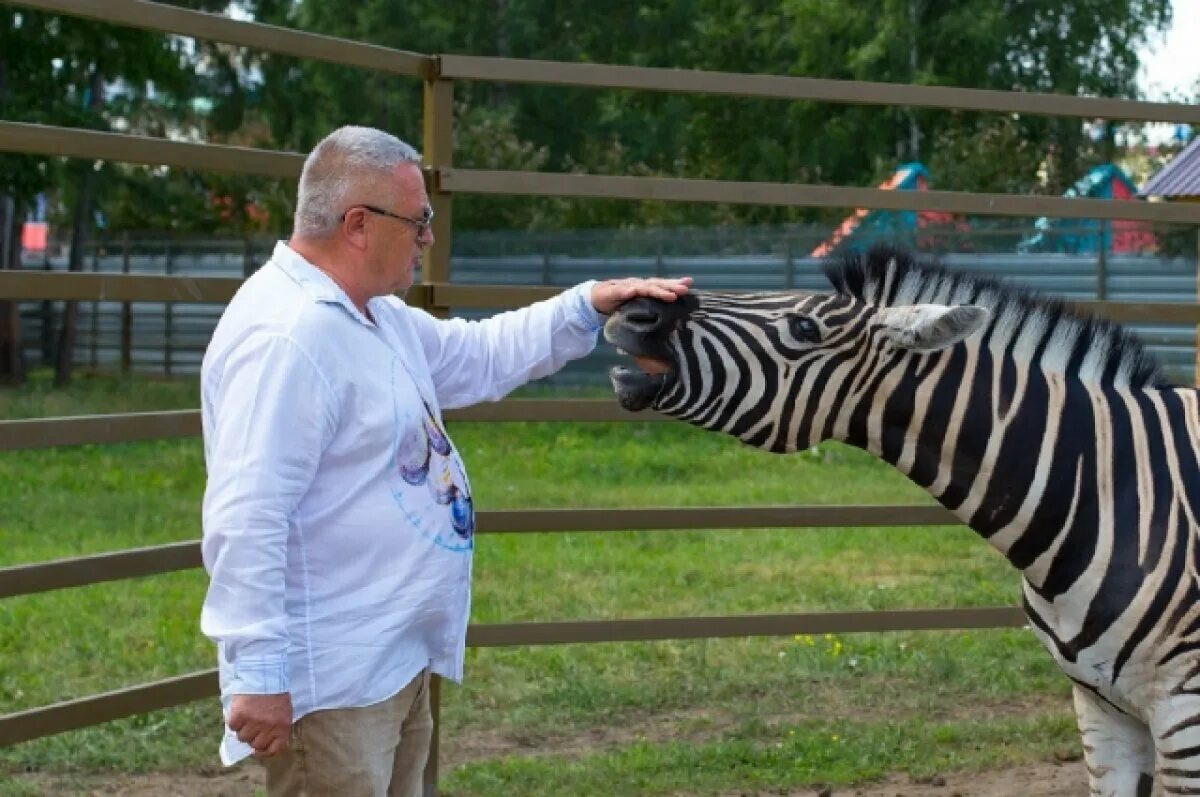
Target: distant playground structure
1179, 180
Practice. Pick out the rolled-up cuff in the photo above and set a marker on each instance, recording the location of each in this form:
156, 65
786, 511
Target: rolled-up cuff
587, 314
265, 675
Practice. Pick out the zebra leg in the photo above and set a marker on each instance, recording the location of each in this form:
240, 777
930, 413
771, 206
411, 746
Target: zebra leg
1118, 748
1176, 728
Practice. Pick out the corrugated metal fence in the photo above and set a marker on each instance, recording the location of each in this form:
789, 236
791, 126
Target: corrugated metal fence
170, 338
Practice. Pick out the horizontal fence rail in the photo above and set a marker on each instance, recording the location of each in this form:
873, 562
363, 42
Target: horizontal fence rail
30, 285
680, 189
27, 285
84, 712
46, 140
170, 424
742, 626
80, 571
99, 568
31, 139
851, 92
86, 429
255, 35
301, 44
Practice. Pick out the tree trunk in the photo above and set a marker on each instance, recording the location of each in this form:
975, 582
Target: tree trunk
499, 91
914, 130
12, 359
83, 202
66, 332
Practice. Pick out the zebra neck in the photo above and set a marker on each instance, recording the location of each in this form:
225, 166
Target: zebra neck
1011, 450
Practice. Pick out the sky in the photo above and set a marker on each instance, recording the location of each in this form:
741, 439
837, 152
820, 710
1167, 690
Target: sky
1170, 68
1170, 64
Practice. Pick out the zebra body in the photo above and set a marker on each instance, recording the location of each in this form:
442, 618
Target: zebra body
1055, 437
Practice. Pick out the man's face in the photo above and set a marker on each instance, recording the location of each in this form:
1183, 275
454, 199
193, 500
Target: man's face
396, 245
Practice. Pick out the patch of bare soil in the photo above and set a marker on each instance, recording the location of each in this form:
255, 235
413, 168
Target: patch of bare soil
1048, 779
243, 781
703, 725
1032, 780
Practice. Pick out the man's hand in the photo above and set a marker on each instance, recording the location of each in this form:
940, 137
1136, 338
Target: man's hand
607, 296
262, 721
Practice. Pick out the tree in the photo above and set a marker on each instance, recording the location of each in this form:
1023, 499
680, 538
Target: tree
1071, 47
67, 66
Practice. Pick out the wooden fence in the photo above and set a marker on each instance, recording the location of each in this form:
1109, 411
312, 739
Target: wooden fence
436, 294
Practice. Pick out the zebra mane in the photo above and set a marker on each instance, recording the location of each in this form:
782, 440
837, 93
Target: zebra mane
1095, 349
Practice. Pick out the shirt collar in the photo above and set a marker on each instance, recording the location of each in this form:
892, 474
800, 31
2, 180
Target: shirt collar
319, 286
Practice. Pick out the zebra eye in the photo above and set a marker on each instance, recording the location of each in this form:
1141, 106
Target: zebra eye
803, 328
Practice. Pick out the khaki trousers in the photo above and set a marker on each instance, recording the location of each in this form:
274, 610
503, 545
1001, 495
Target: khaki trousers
374, 751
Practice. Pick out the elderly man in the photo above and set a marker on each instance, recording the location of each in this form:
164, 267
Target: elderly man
338, 518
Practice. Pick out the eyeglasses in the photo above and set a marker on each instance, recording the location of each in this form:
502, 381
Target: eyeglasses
420, 225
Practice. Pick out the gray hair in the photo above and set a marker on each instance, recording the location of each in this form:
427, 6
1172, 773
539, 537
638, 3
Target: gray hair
348, 159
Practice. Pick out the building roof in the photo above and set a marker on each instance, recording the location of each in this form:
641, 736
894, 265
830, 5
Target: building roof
1180, 177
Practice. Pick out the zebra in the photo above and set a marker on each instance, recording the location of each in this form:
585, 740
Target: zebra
1055, 436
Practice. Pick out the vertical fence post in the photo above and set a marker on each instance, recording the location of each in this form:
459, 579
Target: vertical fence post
789, 263
1102, 263
126, 312
439, 154
547, 268
429, 782
168, 311
47, 316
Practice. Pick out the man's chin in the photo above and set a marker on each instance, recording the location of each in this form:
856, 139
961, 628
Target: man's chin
404, 286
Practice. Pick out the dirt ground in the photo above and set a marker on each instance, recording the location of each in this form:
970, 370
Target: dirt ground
1038, 780
1056, 777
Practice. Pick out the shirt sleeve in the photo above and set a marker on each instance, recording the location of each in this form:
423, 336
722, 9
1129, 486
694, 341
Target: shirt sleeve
474, 361
269, 415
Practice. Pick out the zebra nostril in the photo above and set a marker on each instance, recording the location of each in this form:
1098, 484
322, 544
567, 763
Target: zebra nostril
642, 318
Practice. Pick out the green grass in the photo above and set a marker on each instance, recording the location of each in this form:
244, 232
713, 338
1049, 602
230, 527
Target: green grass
543, 720
761, 756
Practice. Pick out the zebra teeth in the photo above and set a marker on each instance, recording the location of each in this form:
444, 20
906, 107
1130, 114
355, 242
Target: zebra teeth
652, 366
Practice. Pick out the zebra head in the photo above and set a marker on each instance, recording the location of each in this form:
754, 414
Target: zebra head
777, 370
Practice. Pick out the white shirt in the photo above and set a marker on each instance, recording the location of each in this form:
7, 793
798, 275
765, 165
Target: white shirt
338, 522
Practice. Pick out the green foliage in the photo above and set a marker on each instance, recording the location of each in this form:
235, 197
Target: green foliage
48, 67
59, 70
977, 43
1077, 47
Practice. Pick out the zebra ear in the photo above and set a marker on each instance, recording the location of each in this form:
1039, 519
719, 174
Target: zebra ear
931, 327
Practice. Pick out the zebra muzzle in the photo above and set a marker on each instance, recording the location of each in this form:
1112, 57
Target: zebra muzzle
649, 365
636, 389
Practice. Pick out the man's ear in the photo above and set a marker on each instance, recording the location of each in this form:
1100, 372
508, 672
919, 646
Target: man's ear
931, 327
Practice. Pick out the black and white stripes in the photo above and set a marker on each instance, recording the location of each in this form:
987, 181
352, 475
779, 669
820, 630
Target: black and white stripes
1055, 437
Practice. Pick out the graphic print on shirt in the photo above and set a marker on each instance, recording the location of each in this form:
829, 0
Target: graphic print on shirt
426, 459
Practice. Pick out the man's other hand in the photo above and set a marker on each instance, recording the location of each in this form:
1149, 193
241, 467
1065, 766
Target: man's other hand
262, 721
608, 295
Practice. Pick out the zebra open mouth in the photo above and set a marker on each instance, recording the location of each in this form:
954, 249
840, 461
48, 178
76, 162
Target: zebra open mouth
638, 387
